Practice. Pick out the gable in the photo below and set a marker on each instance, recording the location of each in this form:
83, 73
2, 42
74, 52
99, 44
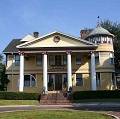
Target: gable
49, 41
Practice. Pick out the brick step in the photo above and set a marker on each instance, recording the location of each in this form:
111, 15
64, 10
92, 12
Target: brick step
59, 101
54, 98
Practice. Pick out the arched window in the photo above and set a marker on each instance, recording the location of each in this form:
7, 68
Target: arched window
29, 80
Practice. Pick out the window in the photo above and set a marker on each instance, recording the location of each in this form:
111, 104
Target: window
113, 79
78, 59
111, 58
98, 83
17, 60
97, 58
79, 80
58, 60
29, 80
51, 60
64, 60
39, 60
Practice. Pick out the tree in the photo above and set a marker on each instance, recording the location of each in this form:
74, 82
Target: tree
3, 77
114, 28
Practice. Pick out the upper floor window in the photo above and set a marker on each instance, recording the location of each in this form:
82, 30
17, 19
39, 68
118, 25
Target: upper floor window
113, 79
79, 80
57, 60
97, 58
111, 55
64, 60
78, 59
98, 82
29, 80
17, 60
51, 60
39, 60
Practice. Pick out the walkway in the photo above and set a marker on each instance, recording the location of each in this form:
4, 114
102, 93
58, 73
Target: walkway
109, 108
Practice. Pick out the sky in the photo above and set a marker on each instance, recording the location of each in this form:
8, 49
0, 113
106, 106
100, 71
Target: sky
21, 17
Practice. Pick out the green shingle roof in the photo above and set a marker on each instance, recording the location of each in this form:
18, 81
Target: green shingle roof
11, 48
100, 31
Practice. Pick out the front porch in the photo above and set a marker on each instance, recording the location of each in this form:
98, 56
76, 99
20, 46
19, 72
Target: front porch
57, 72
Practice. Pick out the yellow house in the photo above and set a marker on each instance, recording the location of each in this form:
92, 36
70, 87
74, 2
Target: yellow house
61, 62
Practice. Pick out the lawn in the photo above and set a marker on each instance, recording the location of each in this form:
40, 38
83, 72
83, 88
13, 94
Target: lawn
57, 114
35, 102
18, 102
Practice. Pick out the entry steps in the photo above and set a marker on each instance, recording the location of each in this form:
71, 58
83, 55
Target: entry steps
55, 98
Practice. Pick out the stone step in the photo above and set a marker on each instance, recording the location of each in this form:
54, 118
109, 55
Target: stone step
54, 98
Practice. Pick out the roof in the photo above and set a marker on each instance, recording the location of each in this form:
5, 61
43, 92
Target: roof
27, 38
15, 44
100, 31
58, 33
12, 46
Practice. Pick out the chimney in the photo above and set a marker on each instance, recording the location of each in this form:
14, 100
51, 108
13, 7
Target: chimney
36, 34
84, 33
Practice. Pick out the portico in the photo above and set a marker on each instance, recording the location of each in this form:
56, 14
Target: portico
61, 79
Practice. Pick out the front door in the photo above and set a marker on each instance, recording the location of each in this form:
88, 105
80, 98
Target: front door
54, 82
58, 81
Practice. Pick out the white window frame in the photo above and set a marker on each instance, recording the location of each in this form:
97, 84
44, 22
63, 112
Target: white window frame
97, 55
98, 86
18, 60
40, 60
30, 81
80, 60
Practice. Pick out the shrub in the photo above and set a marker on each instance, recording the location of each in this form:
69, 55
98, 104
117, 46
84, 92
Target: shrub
95, 94
19, 96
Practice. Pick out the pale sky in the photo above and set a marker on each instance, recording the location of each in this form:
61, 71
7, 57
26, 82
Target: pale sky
21, 17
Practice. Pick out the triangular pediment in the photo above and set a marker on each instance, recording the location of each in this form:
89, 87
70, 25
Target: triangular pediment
56, 39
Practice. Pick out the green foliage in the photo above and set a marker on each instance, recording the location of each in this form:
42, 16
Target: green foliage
114, 28
3, 77
18, 96
103, 94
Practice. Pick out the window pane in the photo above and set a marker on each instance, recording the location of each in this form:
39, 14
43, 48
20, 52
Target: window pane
97, 58
39, 59
51, 60
64, 60
98, 83
17, 60
58, 61
78, 59
79, 80
27, 80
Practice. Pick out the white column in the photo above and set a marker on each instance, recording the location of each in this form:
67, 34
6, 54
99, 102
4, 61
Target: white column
45, 72
69, 70
21, 80
93, 72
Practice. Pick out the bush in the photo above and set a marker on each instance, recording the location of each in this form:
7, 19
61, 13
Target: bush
19, 96
96, 94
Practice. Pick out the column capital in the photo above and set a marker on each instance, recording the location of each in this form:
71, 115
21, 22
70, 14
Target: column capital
92, 52
45, 52
20, 53
68, 52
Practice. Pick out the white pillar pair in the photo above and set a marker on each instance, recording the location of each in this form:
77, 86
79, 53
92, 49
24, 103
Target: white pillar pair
21, 79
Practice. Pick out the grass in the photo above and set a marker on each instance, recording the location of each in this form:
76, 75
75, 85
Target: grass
18, 102
56, 114
35, 102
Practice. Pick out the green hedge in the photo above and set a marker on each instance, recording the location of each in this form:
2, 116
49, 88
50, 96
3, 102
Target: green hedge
19, 96
96, 94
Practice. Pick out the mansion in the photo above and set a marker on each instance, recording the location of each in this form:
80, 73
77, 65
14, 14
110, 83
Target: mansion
61, 62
